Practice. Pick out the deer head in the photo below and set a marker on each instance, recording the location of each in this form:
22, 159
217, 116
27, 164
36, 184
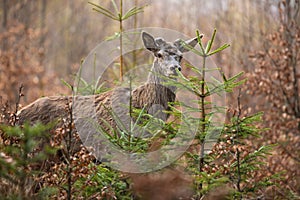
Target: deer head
167, 55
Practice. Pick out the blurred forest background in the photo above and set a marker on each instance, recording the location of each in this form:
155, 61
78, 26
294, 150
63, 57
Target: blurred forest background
44, 41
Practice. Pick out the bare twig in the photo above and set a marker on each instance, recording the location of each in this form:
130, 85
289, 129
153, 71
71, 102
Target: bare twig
121, 40
281, 85
20, 95
238, 184
69, 145
202, 119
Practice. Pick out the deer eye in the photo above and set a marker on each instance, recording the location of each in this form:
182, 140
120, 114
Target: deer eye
159, 55
179, 58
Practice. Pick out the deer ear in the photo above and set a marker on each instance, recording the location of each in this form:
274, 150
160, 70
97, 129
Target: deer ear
149, 42
184, 46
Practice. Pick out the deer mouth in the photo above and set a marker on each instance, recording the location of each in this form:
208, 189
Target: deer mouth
173, 75
174, 72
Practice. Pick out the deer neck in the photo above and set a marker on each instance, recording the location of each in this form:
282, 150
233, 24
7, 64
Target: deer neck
156, 76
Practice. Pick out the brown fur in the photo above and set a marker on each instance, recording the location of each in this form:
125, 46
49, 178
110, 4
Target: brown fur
49, 109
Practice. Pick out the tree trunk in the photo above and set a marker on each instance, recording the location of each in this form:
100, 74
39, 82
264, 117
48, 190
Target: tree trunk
4, 22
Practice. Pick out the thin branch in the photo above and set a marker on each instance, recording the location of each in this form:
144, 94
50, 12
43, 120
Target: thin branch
121, 40
288, 152
238, 184
202, 118
295, 85
20, 95
69, 144
281, 86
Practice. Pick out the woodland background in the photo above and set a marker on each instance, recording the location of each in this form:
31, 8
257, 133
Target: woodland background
44, 41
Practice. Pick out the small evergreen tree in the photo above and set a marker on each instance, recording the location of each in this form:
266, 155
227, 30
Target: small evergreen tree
21, 156
232, 162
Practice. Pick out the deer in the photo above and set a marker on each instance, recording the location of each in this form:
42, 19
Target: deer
152, 96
